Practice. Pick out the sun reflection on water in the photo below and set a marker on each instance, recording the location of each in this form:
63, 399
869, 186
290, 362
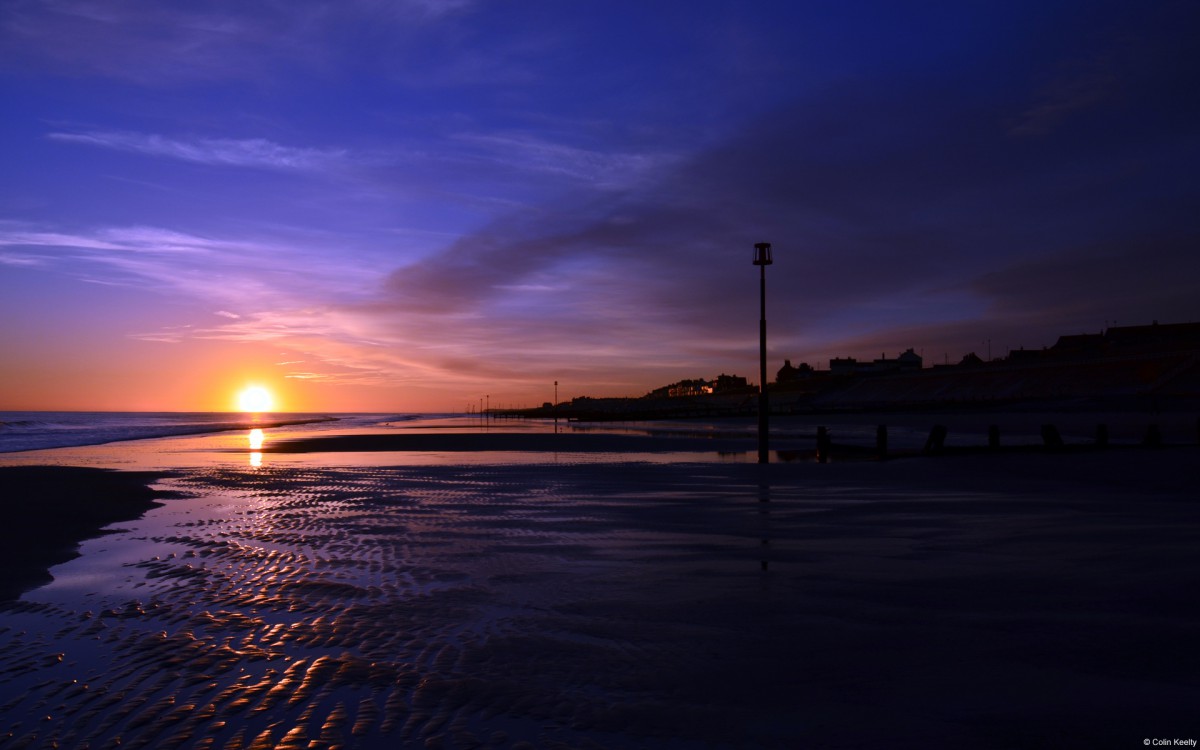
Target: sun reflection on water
256, 443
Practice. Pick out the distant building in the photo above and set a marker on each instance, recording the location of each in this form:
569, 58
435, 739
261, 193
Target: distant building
906, 363
1175, 336
1027, 356
843, 365
699, 387
909, 361
1126, 341
1084, 344
730, 384
790, 374
689, 388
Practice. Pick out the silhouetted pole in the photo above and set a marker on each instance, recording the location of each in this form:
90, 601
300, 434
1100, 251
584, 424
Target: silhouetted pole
556, 406
762, 259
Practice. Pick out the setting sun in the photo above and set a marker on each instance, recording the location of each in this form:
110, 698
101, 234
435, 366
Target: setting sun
255, 399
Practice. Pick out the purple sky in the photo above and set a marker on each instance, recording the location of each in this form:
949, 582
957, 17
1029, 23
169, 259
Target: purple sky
406, 205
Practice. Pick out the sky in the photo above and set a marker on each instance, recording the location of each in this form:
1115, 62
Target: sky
414, 205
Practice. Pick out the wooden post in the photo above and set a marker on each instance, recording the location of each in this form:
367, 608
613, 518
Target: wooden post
881, 442
936, 441
1101, 436
1050, 437
1153, 437
994, 437
822, 444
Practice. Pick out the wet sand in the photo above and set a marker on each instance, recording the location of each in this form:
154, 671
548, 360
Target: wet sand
984, 601
543, 442
49, 510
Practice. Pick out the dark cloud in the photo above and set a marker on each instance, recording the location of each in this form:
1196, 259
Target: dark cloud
1044, 190
1145, 278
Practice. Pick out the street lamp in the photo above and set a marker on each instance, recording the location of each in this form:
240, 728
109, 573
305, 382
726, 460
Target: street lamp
762, 259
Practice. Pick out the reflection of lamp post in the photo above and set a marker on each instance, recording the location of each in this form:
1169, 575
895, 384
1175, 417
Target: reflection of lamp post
762, 259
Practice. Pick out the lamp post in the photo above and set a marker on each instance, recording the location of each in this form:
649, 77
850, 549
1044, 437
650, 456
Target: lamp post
762, 259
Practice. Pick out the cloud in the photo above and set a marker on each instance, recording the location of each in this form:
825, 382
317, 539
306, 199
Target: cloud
20, 261
529, 152
306, 306
889, 201
228, 272
1069, 95
253, 152
153, 43
1151, 278
167, 335
144, 41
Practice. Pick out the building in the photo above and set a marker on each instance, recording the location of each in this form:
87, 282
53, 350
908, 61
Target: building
909, 361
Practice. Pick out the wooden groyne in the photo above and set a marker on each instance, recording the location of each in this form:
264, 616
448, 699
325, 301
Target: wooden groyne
1051, 441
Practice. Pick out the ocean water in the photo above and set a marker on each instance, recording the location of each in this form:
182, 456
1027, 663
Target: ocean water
30, 430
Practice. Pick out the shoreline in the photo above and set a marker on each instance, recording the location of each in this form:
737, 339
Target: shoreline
149, 433
50, 510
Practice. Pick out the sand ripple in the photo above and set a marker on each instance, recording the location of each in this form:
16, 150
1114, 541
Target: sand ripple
348, 608
554, 607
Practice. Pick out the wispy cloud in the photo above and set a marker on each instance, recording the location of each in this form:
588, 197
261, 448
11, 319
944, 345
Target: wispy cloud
226, 272
250, 152
598, 167
156, 43
312, 313
409, 10
1070, 94
20, 261
166, 335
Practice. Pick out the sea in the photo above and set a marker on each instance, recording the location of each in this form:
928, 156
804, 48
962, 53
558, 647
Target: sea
38, 430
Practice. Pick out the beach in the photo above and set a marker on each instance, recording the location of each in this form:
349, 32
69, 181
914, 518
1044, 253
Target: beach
495, 588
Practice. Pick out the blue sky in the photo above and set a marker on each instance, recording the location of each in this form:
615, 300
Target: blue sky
409, 204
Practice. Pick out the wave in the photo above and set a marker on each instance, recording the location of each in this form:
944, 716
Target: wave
66, 430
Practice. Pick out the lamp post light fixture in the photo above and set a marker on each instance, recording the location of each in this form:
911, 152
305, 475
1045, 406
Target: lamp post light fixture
762, 259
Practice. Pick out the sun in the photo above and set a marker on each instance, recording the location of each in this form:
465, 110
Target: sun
255, 398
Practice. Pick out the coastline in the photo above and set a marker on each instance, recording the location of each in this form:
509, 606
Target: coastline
50, 510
